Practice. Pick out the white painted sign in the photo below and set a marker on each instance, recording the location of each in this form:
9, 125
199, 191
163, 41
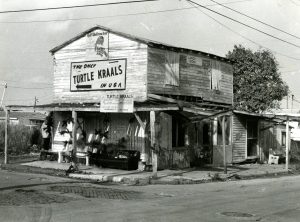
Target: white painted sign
122, 103
193, 60
98, 75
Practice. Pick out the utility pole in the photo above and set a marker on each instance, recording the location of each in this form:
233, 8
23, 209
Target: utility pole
6, 135
292, 103
224, 145
35, 101
287, 143
5, 86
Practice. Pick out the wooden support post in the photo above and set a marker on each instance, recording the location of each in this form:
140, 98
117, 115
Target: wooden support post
224, 144
258, 141
6, 136
153, 142
287, 143
142, 124
74, 139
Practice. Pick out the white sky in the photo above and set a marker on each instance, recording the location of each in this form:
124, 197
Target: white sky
26, 37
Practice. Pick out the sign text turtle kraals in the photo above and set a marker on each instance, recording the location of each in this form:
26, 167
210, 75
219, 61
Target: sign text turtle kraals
98, 75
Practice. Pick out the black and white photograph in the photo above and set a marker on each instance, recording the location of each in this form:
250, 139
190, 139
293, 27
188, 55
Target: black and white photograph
149, 110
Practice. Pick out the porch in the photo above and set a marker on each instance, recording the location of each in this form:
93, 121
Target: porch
166, 135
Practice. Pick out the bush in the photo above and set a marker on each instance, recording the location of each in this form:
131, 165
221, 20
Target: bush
20, 138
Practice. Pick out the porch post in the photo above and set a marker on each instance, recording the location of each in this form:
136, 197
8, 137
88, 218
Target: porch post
6, 135
153, 142
74, 139
287, 143
224, 144
143, 126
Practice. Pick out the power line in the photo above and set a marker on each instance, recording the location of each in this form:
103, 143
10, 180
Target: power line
74, 6
291, 71
119, 15
30, 99
44, 83
244, 24
257, 20
20, 87
294, 3
250, 40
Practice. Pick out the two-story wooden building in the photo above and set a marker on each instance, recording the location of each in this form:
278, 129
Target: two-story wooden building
149, 96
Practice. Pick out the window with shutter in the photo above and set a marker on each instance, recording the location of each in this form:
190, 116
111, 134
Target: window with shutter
216, 75
171, 68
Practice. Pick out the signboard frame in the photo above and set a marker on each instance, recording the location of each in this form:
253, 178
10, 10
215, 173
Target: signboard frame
98, 61
117, 104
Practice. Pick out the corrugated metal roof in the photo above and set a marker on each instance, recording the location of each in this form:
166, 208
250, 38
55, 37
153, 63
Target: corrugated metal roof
279, 116
148, 42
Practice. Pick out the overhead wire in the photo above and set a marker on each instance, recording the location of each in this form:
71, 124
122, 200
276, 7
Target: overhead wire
6, 80
113, 16
74, 6
255, 19
294, 3
248, 39
20, 87
244, 24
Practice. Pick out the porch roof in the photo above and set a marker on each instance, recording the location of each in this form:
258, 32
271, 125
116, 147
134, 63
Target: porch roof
148, 42
273, 116
90, 107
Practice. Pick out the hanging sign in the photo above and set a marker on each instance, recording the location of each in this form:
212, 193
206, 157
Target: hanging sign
98, 75
117, 103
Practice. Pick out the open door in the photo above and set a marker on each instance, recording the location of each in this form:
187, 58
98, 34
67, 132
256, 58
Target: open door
252, 138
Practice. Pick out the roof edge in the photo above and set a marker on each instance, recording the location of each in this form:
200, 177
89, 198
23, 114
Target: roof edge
148, 42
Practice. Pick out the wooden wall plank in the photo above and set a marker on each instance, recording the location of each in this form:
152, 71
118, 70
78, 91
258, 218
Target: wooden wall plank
239, 140
194, 79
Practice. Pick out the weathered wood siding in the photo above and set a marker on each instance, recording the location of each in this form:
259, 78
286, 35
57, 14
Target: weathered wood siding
80, 51
218, 156
194, 80
270, 136
239, 138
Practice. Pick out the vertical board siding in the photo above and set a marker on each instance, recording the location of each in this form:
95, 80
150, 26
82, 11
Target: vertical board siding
194, 79
218, 155
270, 138
266, 140
239, 140
119, 48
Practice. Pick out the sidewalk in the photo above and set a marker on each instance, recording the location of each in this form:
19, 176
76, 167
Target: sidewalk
187, 176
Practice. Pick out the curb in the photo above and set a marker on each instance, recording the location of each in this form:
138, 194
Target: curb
141, 181
30, 169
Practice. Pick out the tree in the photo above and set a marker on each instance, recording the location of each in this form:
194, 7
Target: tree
257, 84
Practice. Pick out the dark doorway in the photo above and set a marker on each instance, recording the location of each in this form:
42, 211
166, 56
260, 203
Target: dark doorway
252, 138
177, 132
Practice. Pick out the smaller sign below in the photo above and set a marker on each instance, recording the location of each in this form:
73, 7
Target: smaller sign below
193, 60
117, 104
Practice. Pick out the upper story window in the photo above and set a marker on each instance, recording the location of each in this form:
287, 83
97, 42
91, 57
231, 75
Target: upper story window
216, 75
171, 68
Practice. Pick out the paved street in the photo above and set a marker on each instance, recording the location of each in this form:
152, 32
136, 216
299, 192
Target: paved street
33, 197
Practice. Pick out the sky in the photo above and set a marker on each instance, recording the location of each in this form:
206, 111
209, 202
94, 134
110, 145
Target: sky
26, 37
